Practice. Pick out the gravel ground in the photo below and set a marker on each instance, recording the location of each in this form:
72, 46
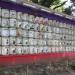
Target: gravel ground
38, 73
23, 73
60, 68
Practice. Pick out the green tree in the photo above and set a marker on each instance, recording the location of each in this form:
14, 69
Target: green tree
50, 3
35, 1
68, 10
55, 5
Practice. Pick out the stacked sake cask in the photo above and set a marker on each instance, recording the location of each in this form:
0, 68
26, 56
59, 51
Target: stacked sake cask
23, 33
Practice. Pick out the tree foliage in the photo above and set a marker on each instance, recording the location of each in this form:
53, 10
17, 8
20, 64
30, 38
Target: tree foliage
35, 1
60, 5
68, 10
47, 3
56, 4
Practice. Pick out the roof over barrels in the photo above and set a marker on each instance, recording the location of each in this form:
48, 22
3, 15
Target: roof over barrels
38, 10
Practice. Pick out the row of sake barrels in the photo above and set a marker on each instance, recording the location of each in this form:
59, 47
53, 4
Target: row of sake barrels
20, 15
6, 50
8, 41
24, 16
32, 28
34, 34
